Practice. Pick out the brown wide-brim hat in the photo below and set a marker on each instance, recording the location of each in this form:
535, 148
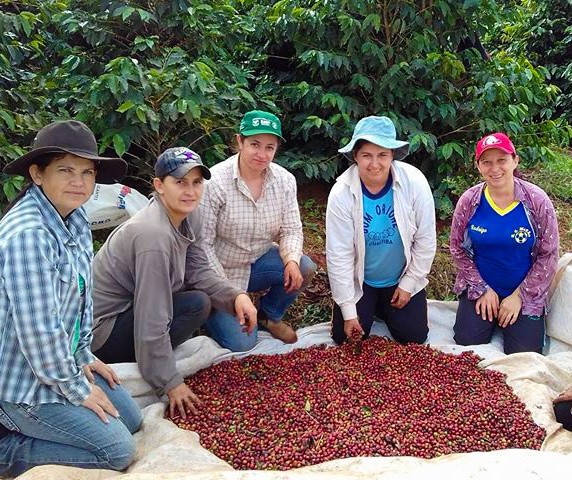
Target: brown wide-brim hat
69, 136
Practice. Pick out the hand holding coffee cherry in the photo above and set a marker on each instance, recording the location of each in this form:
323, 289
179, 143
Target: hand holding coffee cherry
353, 329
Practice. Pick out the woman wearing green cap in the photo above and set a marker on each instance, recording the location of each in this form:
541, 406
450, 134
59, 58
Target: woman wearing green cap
253, 232
380, 237
59, 404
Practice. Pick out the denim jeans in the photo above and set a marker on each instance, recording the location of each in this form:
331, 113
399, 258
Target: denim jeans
266, 273
191, 309
65, 434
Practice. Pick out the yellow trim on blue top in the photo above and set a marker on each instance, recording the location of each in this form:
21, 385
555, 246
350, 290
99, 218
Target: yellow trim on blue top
495, 207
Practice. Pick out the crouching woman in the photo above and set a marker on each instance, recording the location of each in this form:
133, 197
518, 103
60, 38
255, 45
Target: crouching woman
153, 286
58, 403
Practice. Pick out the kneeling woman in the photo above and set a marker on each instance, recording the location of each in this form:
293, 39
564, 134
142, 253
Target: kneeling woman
504, 242
59, 404
152, 283
380, 238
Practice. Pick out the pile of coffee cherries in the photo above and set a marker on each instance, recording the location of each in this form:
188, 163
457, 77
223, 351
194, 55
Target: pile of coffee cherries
370, 398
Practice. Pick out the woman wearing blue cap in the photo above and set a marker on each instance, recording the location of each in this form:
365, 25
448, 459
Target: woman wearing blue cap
153, 286
380, 237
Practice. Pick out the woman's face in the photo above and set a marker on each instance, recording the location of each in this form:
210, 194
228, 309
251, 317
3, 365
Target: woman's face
257, 151
374, 163
67, 182
497, 168
180, 195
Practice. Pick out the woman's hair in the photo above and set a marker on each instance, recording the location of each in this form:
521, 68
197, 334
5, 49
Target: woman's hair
359, 143
41, 163
162, 178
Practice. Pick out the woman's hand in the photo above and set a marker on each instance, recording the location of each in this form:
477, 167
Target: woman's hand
98, 402
509, 309
400, 298
564, 396
353, 329
487, 305
245, 312
183, 399
293, 278
104, 370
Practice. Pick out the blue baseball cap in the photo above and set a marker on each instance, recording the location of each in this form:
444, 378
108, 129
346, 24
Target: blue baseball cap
179, 161
379, 131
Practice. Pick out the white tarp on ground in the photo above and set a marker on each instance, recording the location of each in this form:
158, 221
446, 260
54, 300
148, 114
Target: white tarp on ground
164, 451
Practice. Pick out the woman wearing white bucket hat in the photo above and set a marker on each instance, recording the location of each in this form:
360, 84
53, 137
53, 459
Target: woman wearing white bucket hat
380, 237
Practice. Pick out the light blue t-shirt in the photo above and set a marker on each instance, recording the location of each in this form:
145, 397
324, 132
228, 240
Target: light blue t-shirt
502, 241
384, 255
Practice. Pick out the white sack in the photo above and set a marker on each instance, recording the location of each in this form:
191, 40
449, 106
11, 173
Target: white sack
559, 318
110, 205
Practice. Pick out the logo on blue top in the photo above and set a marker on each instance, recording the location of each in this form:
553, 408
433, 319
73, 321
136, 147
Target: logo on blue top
521, 234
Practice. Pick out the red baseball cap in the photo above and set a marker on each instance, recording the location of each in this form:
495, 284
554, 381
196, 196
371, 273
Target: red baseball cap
494, 140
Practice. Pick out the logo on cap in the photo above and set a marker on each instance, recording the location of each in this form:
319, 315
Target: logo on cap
491, 140
184, 153
264, 122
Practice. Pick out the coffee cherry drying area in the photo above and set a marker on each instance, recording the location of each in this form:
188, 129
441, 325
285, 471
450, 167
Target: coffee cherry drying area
372, 398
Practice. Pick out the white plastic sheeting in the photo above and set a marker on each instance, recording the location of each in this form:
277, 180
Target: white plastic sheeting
167, 452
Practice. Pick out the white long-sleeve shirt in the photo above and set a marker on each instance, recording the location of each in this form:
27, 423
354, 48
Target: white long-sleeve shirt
345, 244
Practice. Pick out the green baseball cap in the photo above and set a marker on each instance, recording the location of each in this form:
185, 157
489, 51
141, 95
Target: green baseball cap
259, 121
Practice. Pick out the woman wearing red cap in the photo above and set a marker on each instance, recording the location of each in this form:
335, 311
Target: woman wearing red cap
59, 404
504, 242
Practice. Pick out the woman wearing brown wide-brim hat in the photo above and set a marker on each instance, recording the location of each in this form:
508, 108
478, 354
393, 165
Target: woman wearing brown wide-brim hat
59, 404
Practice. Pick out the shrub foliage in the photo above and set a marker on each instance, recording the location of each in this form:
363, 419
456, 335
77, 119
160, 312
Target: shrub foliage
148, 75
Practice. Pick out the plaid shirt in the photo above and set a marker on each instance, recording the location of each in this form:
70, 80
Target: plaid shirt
238, 230
40, 259
542, 217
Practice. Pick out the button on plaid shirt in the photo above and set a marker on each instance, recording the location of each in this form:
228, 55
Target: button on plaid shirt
238, 230
40, 259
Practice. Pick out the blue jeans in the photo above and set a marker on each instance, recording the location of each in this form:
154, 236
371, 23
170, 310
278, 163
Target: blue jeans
266, 273
65, 434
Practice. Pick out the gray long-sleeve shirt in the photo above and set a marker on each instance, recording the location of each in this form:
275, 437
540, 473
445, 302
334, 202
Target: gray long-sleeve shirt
141, 265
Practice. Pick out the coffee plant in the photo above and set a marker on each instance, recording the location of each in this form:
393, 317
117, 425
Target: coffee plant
541, 31
148, 75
